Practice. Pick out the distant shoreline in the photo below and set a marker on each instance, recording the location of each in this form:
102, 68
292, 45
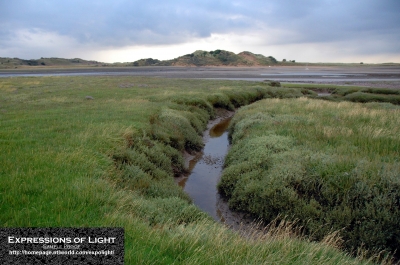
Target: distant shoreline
200, 58
279, 65
378, 76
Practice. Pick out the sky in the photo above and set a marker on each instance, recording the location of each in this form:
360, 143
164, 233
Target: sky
127, 30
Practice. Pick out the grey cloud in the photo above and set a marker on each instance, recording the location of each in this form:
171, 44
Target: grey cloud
340, 20
123, 22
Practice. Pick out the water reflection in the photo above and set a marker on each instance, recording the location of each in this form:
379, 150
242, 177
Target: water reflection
220, 128
206, 168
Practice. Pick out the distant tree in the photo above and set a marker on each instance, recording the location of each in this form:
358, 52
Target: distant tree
361, 63
284, 60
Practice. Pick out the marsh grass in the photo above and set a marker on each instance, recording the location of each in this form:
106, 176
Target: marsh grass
351, 93
71, 162
332, 166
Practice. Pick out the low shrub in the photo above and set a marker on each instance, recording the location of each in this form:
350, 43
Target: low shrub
273, 83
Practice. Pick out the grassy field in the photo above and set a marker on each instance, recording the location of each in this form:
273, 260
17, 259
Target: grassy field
332, 166
102, 151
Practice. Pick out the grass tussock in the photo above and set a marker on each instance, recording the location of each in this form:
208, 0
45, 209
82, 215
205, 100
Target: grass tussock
332, 166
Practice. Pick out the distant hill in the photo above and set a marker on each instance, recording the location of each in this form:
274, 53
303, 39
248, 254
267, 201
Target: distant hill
197, 58
43, 62
212, 58
258, 59
146, 62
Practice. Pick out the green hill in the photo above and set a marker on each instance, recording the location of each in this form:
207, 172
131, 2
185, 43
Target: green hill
211, 58
258, 59
197, 58
6, 63
146, 62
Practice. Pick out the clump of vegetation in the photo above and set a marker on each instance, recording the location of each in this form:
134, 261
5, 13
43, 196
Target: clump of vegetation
332, 166
273, 83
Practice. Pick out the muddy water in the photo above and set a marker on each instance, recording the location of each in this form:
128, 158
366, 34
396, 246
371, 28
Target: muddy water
206, 168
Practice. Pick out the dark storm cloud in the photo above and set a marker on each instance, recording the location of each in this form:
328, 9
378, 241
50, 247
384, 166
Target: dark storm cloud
123, 22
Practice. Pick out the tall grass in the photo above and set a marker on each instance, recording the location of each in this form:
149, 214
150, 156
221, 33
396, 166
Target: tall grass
333, 166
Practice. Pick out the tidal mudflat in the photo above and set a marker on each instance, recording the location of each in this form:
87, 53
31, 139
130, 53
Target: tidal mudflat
302, 74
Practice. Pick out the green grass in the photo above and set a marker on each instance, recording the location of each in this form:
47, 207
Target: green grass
333, 166
66, 161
